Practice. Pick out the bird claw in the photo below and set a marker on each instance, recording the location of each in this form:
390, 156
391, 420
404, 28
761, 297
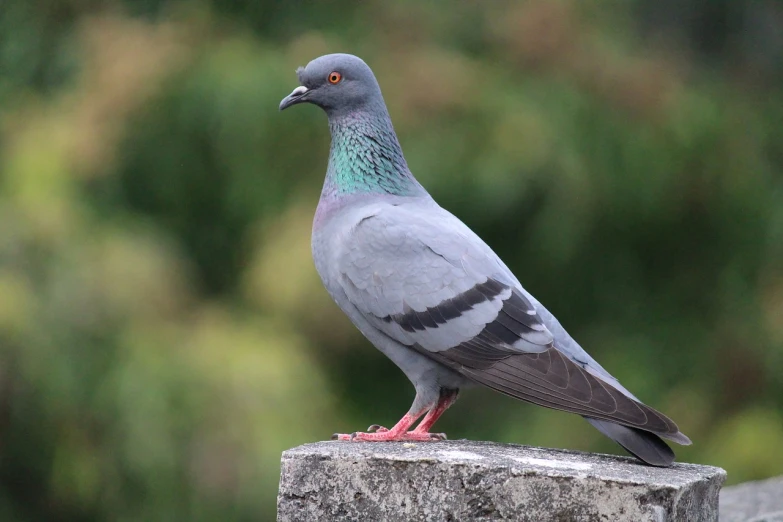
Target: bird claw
344, 436
377, 428
381, 434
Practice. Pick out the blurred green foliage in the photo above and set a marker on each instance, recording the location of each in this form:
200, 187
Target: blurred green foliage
163, 334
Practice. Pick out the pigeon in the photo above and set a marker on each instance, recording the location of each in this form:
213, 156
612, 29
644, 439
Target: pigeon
431, 295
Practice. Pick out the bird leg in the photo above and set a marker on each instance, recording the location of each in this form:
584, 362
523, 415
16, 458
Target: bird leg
399, 432
447, 398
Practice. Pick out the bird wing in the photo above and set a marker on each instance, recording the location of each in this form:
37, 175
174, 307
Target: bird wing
423, 278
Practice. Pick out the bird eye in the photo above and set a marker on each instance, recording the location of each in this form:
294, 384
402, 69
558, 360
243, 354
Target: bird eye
335, 77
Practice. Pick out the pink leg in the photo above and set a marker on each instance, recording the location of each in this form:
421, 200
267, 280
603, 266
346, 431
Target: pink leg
445, 401
400, 431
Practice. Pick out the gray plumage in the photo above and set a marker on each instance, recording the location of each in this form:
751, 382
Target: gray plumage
430, 294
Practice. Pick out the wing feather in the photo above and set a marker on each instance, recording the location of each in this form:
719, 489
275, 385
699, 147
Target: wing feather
434, 286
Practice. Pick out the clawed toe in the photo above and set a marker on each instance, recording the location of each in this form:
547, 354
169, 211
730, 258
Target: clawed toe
380, 434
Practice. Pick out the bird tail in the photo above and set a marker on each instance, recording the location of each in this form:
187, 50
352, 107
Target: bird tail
644, 445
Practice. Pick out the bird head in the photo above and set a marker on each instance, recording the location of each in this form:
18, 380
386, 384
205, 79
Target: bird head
338, 83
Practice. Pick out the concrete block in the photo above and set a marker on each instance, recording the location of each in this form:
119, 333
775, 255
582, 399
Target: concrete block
760, 501
466, 480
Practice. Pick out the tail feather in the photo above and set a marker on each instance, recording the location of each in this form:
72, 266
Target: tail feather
679, 438
644, 445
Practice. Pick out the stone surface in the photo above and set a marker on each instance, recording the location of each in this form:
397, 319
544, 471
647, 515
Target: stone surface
760, 501
464, 480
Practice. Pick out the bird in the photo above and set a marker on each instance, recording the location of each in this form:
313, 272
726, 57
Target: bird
431, 295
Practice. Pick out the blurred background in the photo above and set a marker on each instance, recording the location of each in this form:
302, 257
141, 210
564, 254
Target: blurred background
163, 333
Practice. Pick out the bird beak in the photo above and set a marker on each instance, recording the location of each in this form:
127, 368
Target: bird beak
298, 95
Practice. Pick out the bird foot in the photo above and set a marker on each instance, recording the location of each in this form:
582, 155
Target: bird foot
381, 434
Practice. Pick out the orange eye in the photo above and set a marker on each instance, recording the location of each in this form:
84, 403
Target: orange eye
335, 77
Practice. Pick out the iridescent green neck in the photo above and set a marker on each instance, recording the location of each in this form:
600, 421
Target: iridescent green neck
366, 157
